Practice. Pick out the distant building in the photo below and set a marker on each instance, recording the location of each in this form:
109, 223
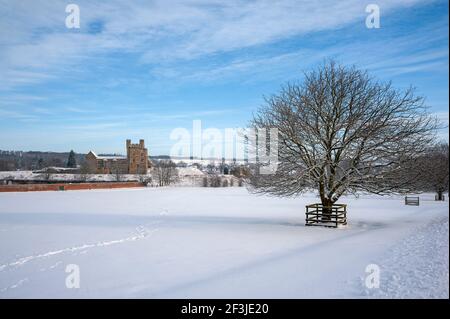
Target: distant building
136, 161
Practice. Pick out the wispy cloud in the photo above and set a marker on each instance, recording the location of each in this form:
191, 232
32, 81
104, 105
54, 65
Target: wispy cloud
37, 46
15, 98
17, 115
138, 65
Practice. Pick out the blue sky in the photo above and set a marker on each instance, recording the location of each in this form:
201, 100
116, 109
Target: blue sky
140, 69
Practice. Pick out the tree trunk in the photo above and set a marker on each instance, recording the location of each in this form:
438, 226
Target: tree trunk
326, 210
440, 194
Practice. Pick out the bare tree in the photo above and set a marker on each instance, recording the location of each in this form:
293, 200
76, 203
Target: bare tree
117, 171
215, 180
145, 179
341, 132
85, 170
432, 170
165, 172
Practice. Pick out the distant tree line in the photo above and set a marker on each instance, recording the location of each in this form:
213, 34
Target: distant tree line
18, 160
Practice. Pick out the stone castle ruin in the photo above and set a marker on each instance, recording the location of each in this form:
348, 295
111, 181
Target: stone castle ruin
136, 161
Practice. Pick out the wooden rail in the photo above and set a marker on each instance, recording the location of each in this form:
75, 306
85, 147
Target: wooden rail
412, 200
334, 215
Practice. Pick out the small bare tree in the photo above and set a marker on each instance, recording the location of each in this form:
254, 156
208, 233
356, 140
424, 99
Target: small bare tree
165, 172
215, 180
85, 170
341, 132
145, 179
117, 171
433, 170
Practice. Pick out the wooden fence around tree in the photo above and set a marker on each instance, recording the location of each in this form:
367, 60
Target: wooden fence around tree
412, 200
330, 216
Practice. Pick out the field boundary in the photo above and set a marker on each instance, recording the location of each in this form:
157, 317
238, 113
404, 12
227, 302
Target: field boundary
67, 186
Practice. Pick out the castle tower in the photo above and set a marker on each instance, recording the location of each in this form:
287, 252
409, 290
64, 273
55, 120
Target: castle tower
137, 156
127, 146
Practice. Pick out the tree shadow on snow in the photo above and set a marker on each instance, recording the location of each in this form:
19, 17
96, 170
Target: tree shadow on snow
124, 220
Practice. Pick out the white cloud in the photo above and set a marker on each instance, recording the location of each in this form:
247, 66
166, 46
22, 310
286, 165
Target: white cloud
37, 46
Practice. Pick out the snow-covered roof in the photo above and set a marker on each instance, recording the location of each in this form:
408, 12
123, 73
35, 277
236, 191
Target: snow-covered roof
107, 156
111, 157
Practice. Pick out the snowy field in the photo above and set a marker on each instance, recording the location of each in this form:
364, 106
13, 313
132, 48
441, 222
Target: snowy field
217, 243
